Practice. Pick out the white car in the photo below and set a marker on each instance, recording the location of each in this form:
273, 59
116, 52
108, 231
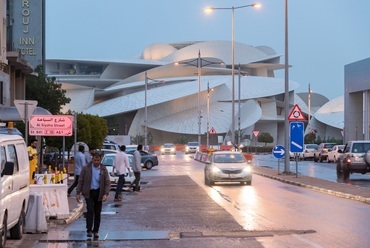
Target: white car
108, 161
308, 151
333, 154
227, 166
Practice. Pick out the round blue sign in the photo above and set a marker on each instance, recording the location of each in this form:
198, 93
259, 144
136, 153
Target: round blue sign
278, 151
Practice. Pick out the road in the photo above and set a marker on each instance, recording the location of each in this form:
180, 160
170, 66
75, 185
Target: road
278, 215
270, 205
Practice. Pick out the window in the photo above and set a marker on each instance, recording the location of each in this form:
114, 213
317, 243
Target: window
13, 157
2, 157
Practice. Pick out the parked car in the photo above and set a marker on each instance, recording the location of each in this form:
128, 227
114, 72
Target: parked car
131, 148
148, 160
108, 161
14, 186
106, 151
333, 155
322, 151
192, 147
111, 146
308, 151
227, 166
354, 159
168, 148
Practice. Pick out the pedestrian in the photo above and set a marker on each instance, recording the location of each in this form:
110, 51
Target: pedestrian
32, 157
122, 166
80, 161
94, 185
137, 168
89, 155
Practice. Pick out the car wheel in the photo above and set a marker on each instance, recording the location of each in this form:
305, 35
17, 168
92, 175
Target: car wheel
206, 181
4, 231
345, 173
249, 183
17, 231
148, 165
315, 159
340, 171
328, 160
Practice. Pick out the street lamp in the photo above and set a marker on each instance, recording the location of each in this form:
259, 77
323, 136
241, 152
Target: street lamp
146, 107
256, 5
239, 91
199, 64
309, 105
208, 98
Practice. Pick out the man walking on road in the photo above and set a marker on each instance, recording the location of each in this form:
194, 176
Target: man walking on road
94, 185
80, 161
122, 166
137, 168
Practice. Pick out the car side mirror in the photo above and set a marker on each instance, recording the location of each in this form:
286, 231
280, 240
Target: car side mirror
340, 151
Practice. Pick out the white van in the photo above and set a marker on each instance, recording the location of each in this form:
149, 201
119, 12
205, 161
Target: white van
14, 186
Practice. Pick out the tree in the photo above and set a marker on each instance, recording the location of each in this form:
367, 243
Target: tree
265, 138
309, 138
48, 94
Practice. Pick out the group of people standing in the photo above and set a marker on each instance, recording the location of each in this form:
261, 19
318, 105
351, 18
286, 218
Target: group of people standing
93, 182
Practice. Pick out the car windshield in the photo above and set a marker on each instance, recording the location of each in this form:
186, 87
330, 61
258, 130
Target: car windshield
193, 144
360, 147
228, 158
168, 145
329, 145
311, 146
108, 160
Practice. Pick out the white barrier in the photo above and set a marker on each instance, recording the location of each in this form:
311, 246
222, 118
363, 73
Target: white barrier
54, 199
35, 218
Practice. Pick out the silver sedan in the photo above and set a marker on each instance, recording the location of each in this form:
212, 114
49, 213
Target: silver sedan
227, 166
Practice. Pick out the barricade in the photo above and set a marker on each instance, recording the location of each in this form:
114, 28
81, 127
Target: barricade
54, 199
35, 218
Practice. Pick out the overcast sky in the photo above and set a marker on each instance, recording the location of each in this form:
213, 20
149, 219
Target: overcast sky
324, 35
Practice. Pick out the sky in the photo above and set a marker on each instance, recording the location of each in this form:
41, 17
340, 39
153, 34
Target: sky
323, 36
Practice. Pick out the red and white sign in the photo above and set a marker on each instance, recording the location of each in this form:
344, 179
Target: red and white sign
51, 125
256, 133
296, 114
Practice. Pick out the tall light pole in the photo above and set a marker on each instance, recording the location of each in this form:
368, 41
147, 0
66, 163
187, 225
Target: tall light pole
199, 64
146, 108
286, 96
309, 105
208, 105
256, 5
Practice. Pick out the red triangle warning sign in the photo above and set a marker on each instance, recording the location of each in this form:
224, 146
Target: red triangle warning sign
296, 114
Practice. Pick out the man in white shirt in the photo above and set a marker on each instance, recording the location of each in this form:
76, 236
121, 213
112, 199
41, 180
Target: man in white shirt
122, 166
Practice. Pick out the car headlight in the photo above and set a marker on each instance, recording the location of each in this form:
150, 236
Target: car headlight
215, 169
172, 149
162, 149
247, 169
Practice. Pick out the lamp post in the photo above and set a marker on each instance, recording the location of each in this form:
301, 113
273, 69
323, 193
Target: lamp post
199, 64
309, 105
208, 105
286, 95
256, 5
146, 108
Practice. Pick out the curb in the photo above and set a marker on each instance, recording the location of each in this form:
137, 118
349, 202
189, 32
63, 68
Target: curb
75, 213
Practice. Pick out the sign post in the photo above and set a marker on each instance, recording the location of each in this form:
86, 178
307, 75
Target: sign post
278, 152
25, 109
296, 140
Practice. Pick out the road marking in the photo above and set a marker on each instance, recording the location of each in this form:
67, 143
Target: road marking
306, 241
